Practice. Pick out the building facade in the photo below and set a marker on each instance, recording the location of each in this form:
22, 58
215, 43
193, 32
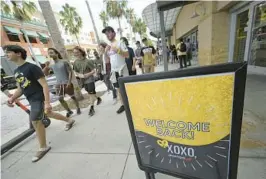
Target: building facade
225, 31
13, 33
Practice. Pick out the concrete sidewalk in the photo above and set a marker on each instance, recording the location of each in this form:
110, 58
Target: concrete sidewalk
100, 147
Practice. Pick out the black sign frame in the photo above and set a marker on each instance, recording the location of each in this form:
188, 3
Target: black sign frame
240, 71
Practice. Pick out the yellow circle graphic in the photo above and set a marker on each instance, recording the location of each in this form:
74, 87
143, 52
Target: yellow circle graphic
190, 111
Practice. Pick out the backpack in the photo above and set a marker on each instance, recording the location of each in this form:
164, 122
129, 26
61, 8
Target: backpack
183, 47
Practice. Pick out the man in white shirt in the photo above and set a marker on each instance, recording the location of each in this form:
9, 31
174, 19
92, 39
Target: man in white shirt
117, 52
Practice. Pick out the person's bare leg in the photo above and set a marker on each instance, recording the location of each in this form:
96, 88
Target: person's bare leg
92, 98
122, 108
40, 132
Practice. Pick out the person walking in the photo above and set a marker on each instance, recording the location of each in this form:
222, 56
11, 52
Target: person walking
85, 70
98, 65
32, 83
182, 53
117, 52
63, 73
138, 56
189, 51
106, 71
130, 61
148, 54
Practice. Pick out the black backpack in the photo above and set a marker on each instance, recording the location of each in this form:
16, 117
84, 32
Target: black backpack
183, 47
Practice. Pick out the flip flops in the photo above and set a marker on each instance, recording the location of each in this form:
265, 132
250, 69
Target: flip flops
69, 125
40, 154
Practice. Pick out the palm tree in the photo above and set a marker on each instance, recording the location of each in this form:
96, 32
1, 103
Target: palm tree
131, 17
116, 9
71, 21
104, 17
140, 27
21, 11
57, 39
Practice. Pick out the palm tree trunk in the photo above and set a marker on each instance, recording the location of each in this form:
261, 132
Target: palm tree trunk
93, 23
120, 29
57, 39
30, 46
77, 39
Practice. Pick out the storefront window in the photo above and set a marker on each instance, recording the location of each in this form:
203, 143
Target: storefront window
258, 41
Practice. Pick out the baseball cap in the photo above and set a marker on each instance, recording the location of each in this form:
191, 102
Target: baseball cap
108, 28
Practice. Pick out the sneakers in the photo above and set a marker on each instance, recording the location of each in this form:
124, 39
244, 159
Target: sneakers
69, 113
121, 109
114, 101
92, 111
78, 111
99, 100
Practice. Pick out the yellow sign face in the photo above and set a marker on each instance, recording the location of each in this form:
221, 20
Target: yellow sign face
192, 111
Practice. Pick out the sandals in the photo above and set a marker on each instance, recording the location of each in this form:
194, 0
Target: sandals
69, 125
40, 154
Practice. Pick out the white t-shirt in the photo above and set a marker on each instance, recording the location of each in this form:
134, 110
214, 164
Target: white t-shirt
117, 61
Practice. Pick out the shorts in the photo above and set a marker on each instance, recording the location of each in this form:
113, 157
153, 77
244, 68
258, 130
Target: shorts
116, 85
90, 88
62, 90
37, 110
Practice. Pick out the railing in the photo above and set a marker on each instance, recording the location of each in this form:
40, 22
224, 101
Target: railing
32, 22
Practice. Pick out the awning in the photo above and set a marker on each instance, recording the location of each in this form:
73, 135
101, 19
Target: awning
12, 30
43, 35
30, 33
151, 18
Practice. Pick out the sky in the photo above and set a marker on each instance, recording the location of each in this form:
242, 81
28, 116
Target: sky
96, 7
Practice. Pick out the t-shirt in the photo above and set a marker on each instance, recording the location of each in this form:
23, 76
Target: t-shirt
178, 46
147, 53
138, 52
27, 76
129, 61
118, 61
84, 66
60, 69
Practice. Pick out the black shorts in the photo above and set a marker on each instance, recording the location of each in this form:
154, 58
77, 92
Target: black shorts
116, 85
90, 88
36, 110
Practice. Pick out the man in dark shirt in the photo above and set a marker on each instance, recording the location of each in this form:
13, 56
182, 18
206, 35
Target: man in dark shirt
130, 61
31, 82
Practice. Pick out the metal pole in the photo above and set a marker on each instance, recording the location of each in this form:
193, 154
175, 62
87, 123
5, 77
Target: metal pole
163, 40
93, 23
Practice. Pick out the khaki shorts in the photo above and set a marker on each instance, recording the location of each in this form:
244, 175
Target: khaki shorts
148, 68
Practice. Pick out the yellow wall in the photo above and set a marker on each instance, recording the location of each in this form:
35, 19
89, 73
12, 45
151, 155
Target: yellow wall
213, 29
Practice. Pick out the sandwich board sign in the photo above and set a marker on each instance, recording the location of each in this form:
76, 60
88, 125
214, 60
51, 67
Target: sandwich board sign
187, 123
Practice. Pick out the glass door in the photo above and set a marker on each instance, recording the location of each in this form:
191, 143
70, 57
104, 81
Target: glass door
257, 53
241, 36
